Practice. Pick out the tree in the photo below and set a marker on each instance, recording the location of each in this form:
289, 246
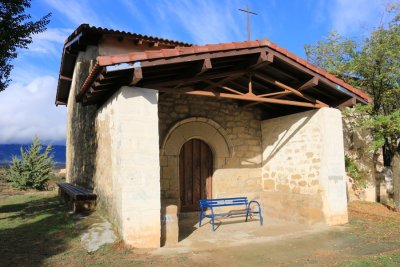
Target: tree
15, 32
372, 65
334, 53
33, 169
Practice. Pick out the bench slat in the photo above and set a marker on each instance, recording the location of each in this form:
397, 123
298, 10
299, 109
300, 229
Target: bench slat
77, 192
225, 202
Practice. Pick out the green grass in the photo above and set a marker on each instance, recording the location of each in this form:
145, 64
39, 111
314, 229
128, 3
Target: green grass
374, 261
36, 230
33, 227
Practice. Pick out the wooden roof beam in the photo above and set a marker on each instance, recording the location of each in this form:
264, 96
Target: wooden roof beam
138, 41
194, 79
137, 76
310, 83
154, 44
65, 78
288, 88
265, 95
255, 98
224, 87
206, 65
263, 58
245, 97
347, 103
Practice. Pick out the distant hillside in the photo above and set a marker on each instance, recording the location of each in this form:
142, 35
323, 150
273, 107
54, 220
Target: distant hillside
8, 151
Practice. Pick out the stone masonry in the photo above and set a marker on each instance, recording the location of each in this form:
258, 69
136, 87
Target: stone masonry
127, 151
234, 136
303, 167
235, 173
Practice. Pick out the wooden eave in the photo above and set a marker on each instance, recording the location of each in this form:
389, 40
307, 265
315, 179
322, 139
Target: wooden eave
86, 35
250, 72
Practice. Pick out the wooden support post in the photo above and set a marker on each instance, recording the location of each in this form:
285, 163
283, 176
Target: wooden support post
250, 86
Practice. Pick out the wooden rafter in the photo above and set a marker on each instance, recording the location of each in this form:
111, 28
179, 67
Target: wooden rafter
310, 83
193, 79
65, 78
250, 86
224, 87
347, 103
272, 94
191, 58
288, 88
255, 98
245, 97
137, 76
263, 58
205, 66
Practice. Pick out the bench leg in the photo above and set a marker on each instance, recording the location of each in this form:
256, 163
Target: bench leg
201, 217
212, 219
259, 211
247, 211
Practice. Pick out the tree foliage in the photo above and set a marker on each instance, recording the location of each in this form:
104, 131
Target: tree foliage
15, 32
334, 53
33, 169
372, 65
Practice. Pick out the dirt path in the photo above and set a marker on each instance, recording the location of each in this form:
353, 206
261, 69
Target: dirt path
36, 230
372, 238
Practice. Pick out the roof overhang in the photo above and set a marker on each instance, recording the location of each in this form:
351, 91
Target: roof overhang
86, 35
255, 72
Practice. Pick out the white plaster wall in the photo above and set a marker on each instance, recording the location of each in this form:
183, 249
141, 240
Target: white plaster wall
332, 173
132, 115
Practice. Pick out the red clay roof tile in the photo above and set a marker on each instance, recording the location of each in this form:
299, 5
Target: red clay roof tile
182, 51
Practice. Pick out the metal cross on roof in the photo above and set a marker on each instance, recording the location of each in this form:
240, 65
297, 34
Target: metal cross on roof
247, 10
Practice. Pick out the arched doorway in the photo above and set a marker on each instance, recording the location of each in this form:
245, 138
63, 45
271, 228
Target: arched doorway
195, 174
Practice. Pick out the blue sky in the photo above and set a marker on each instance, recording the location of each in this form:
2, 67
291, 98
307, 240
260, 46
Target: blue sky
27, 106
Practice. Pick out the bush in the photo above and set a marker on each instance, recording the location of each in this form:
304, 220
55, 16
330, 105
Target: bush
33, 169
354, 172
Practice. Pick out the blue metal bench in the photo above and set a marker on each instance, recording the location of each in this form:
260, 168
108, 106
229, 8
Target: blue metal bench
225, 202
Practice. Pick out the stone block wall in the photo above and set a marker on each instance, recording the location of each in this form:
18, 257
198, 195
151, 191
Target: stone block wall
233, 134
303, 167
80, 142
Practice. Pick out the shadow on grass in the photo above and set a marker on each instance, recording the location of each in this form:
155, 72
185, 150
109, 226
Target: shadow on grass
32, 206
33, 231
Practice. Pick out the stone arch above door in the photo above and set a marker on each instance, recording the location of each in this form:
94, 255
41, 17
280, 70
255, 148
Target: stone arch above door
200, 128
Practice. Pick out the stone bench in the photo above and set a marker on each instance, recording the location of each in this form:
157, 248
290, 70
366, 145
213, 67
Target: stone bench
78, 197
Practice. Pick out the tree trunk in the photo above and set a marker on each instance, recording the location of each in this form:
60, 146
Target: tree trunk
396, 180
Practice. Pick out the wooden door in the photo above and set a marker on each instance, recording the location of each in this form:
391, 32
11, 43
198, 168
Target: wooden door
195, 171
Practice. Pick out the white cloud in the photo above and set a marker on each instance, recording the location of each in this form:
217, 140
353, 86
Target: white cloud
50, 41
28, 110
355, 16
206, 21
77, 11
